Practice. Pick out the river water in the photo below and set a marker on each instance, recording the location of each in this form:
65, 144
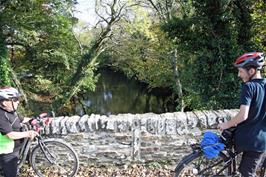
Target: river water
115, 94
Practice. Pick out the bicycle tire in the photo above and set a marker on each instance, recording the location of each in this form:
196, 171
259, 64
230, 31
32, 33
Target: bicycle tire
198, 165
64, 160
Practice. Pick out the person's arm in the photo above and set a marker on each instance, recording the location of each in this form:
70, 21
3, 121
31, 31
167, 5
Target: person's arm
18, 135
241, 116
6, 129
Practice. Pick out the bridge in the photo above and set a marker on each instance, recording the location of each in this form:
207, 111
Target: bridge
126, 138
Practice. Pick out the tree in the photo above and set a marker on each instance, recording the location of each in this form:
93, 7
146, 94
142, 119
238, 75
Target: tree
37, 40
4, 72
259, 24
166, 10
209, 39
143, 51
114, 11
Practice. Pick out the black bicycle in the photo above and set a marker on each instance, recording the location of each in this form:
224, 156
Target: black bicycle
196, 164
48, 156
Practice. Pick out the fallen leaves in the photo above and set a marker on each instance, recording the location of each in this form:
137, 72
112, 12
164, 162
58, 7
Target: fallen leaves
135, 170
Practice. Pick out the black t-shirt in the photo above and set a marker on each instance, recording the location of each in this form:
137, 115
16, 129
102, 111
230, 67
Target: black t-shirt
251, 133
10, 122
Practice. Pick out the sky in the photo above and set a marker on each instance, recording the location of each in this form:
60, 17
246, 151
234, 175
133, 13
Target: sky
85, 11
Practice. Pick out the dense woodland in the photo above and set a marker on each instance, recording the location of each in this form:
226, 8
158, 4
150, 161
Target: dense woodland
186, 47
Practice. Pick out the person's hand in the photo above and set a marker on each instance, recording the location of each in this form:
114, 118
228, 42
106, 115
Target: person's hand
26, 119
32, 134
223, 126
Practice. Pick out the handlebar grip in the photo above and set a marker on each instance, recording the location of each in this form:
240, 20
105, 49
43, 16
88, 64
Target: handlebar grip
36, 119
33, 121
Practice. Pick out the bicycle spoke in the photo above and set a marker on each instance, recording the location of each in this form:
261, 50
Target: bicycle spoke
55, 158
204, 167
212, 166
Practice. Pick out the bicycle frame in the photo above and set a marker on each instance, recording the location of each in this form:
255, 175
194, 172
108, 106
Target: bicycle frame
229, 161
24, 152
43, 147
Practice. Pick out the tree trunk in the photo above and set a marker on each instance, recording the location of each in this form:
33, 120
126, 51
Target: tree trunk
178, 85
88, 60
18, 85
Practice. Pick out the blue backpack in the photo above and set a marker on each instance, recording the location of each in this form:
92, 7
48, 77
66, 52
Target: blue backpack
211, 145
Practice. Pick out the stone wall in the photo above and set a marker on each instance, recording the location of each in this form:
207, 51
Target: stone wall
125, 138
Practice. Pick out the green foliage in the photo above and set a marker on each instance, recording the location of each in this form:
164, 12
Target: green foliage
4, 72
208, 35
42, 47
209, 40
89, 82
259, 24
38, 43
4, 67
143, 52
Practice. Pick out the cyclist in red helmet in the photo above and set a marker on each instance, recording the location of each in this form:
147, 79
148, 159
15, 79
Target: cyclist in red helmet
11, 134
250, 122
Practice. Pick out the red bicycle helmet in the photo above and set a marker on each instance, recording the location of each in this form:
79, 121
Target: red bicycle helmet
251, 59
9, 93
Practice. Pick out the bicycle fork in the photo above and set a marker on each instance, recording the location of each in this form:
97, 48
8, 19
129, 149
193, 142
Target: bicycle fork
45, 150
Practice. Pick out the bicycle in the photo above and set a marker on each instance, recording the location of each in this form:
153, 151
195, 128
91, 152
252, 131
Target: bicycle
47, 155
196, 164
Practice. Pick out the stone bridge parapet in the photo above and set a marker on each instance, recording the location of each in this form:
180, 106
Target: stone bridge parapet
125, 138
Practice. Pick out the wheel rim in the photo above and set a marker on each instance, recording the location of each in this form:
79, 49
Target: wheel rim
63, 161
201, 166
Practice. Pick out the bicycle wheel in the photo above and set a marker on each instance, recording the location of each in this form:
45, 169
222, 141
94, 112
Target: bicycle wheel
54, 158
196, 164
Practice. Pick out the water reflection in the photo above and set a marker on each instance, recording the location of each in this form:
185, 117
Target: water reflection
116, 94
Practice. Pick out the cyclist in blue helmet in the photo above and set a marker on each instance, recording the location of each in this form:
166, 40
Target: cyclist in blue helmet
11, 134
250, 122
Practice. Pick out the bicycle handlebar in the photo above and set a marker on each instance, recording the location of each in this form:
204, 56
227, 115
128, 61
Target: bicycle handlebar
227, 136
41, 121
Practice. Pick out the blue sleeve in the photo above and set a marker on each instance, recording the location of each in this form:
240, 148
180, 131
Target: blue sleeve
246, 95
